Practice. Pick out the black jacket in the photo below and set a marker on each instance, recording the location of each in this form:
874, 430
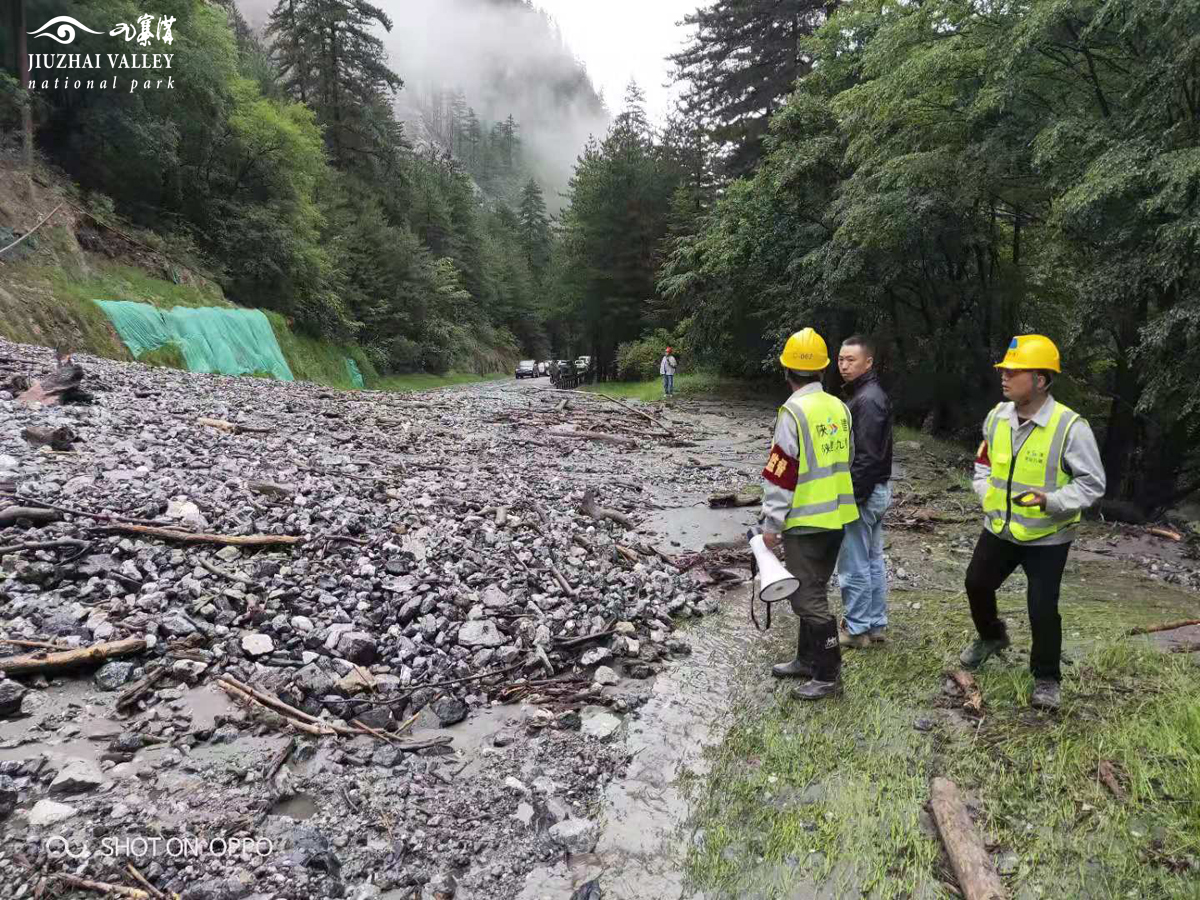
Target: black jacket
872, 426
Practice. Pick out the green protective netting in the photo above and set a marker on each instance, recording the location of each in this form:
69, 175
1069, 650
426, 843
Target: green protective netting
356, 378
212, 339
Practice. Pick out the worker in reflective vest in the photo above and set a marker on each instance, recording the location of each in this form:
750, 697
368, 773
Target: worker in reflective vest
807, 500
1036, 471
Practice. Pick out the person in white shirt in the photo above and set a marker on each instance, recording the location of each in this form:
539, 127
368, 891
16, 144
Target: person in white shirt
666, 369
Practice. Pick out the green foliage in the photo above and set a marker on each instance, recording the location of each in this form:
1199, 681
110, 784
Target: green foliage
949, 175
640, 359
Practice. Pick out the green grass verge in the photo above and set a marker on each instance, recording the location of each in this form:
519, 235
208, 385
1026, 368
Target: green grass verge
319, 361
689, 384
828, 799
422, 381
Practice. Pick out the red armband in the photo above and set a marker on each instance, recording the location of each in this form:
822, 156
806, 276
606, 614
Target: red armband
781, 470
981, 456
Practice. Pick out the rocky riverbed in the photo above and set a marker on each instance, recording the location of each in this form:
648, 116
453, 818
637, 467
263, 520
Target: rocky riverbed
376, 645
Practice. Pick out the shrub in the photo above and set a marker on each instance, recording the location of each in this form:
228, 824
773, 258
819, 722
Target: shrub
639, 360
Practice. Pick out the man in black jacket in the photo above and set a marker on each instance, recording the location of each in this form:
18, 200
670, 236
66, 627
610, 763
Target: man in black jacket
861, 574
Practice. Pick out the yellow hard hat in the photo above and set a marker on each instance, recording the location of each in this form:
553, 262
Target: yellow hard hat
805, 351
1031, 351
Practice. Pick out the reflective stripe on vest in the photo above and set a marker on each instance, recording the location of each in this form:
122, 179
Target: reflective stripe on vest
1037, 467
824, 494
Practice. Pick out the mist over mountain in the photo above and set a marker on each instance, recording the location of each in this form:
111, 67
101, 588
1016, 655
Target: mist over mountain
506, 58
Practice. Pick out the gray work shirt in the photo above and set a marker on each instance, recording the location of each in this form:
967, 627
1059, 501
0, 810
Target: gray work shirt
1081, 459
777, 501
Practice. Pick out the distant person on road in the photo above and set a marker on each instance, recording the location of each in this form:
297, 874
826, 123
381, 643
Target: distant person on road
808, 501
554, 372
666, 368
861, 574
1037, 469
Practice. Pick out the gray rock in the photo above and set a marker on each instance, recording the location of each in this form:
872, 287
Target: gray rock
386, 757
595, 655
77, 777
48, 812
8, 796
379, 718
575, 835
11, 695
219, 889
176, 624
557, 810
257, 644
449, 710
599, 723
312, 679
482, 633
358, 647
494, 598
443, 886
605, 675
112, 675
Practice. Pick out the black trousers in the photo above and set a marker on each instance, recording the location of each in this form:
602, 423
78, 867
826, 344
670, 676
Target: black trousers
993, 561
812, 559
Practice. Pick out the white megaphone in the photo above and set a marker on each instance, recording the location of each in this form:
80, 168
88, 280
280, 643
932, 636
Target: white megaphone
774, 581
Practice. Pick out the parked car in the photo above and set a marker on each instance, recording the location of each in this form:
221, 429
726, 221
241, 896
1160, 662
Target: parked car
543, 368
583, 363
527, 368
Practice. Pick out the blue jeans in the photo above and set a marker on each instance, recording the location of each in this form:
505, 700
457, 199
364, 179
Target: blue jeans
860, 565
668, 384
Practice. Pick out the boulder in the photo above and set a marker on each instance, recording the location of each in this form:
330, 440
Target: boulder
482, 633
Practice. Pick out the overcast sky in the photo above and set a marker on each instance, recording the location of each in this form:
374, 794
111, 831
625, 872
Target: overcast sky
617, 39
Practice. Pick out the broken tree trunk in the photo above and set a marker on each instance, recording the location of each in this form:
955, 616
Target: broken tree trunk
1169, 626
12, 514
590, 508
725, 500
972, 864
60, 386
615, 440
188, 537
44, 663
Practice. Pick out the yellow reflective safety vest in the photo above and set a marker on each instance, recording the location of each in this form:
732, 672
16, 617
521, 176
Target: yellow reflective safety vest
1038, 467
824, 495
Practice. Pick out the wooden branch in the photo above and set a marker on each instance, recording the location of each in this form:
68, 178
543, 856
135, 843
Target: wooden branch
231, 427
238, 694
277, 761
40, 645
44, 545
590, 508
1165, 533
217, 570
190, 537
142, 688
1108, 776
614, 439
103, 887
141, 879
70, 659
620, 403
566, 586
972, 697
99, 516
1169, 626
972, 865
630, 555
9, 515
568, 643
727, 499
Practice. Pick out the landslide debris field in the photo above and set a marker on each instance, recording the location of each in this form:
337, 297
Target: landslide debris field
400, 637
458, 644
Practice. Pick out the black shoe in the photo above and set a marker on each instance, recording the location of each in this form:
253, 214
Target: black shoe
1047, 694
818, 690
801, 666
977, 652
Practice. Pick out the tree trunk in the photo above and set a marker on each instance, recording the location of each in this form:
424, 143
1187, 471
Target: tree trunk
20, 44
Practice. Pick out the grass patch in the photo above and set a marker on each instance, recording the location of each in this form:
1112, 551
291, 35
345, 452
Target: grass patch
113, 281
319, 361
834, 792
689, 384
170, 357
422, 381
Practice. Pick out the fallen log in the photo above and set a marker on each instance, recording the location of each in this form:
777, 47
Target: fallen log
972, 697
44, 545
968, 856
99, 516
613, 439
10, 515
1165, 533
1169, 626
70, 659
103, 887
231, 427
277, 761
142, 688
60, 438
590, 508
728, 499
189, 537
60, 386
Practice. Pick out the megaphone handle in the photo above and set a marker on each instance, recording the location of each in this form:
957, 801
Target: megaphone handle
754, 597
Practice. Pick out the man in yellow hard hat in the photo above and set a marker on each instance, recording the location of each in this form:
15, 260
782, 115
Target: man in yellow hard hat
1037, 469
808, 498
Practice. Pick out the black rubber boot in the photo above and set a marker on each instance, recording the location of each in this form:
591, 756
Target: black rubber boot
801, 666
826, 679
